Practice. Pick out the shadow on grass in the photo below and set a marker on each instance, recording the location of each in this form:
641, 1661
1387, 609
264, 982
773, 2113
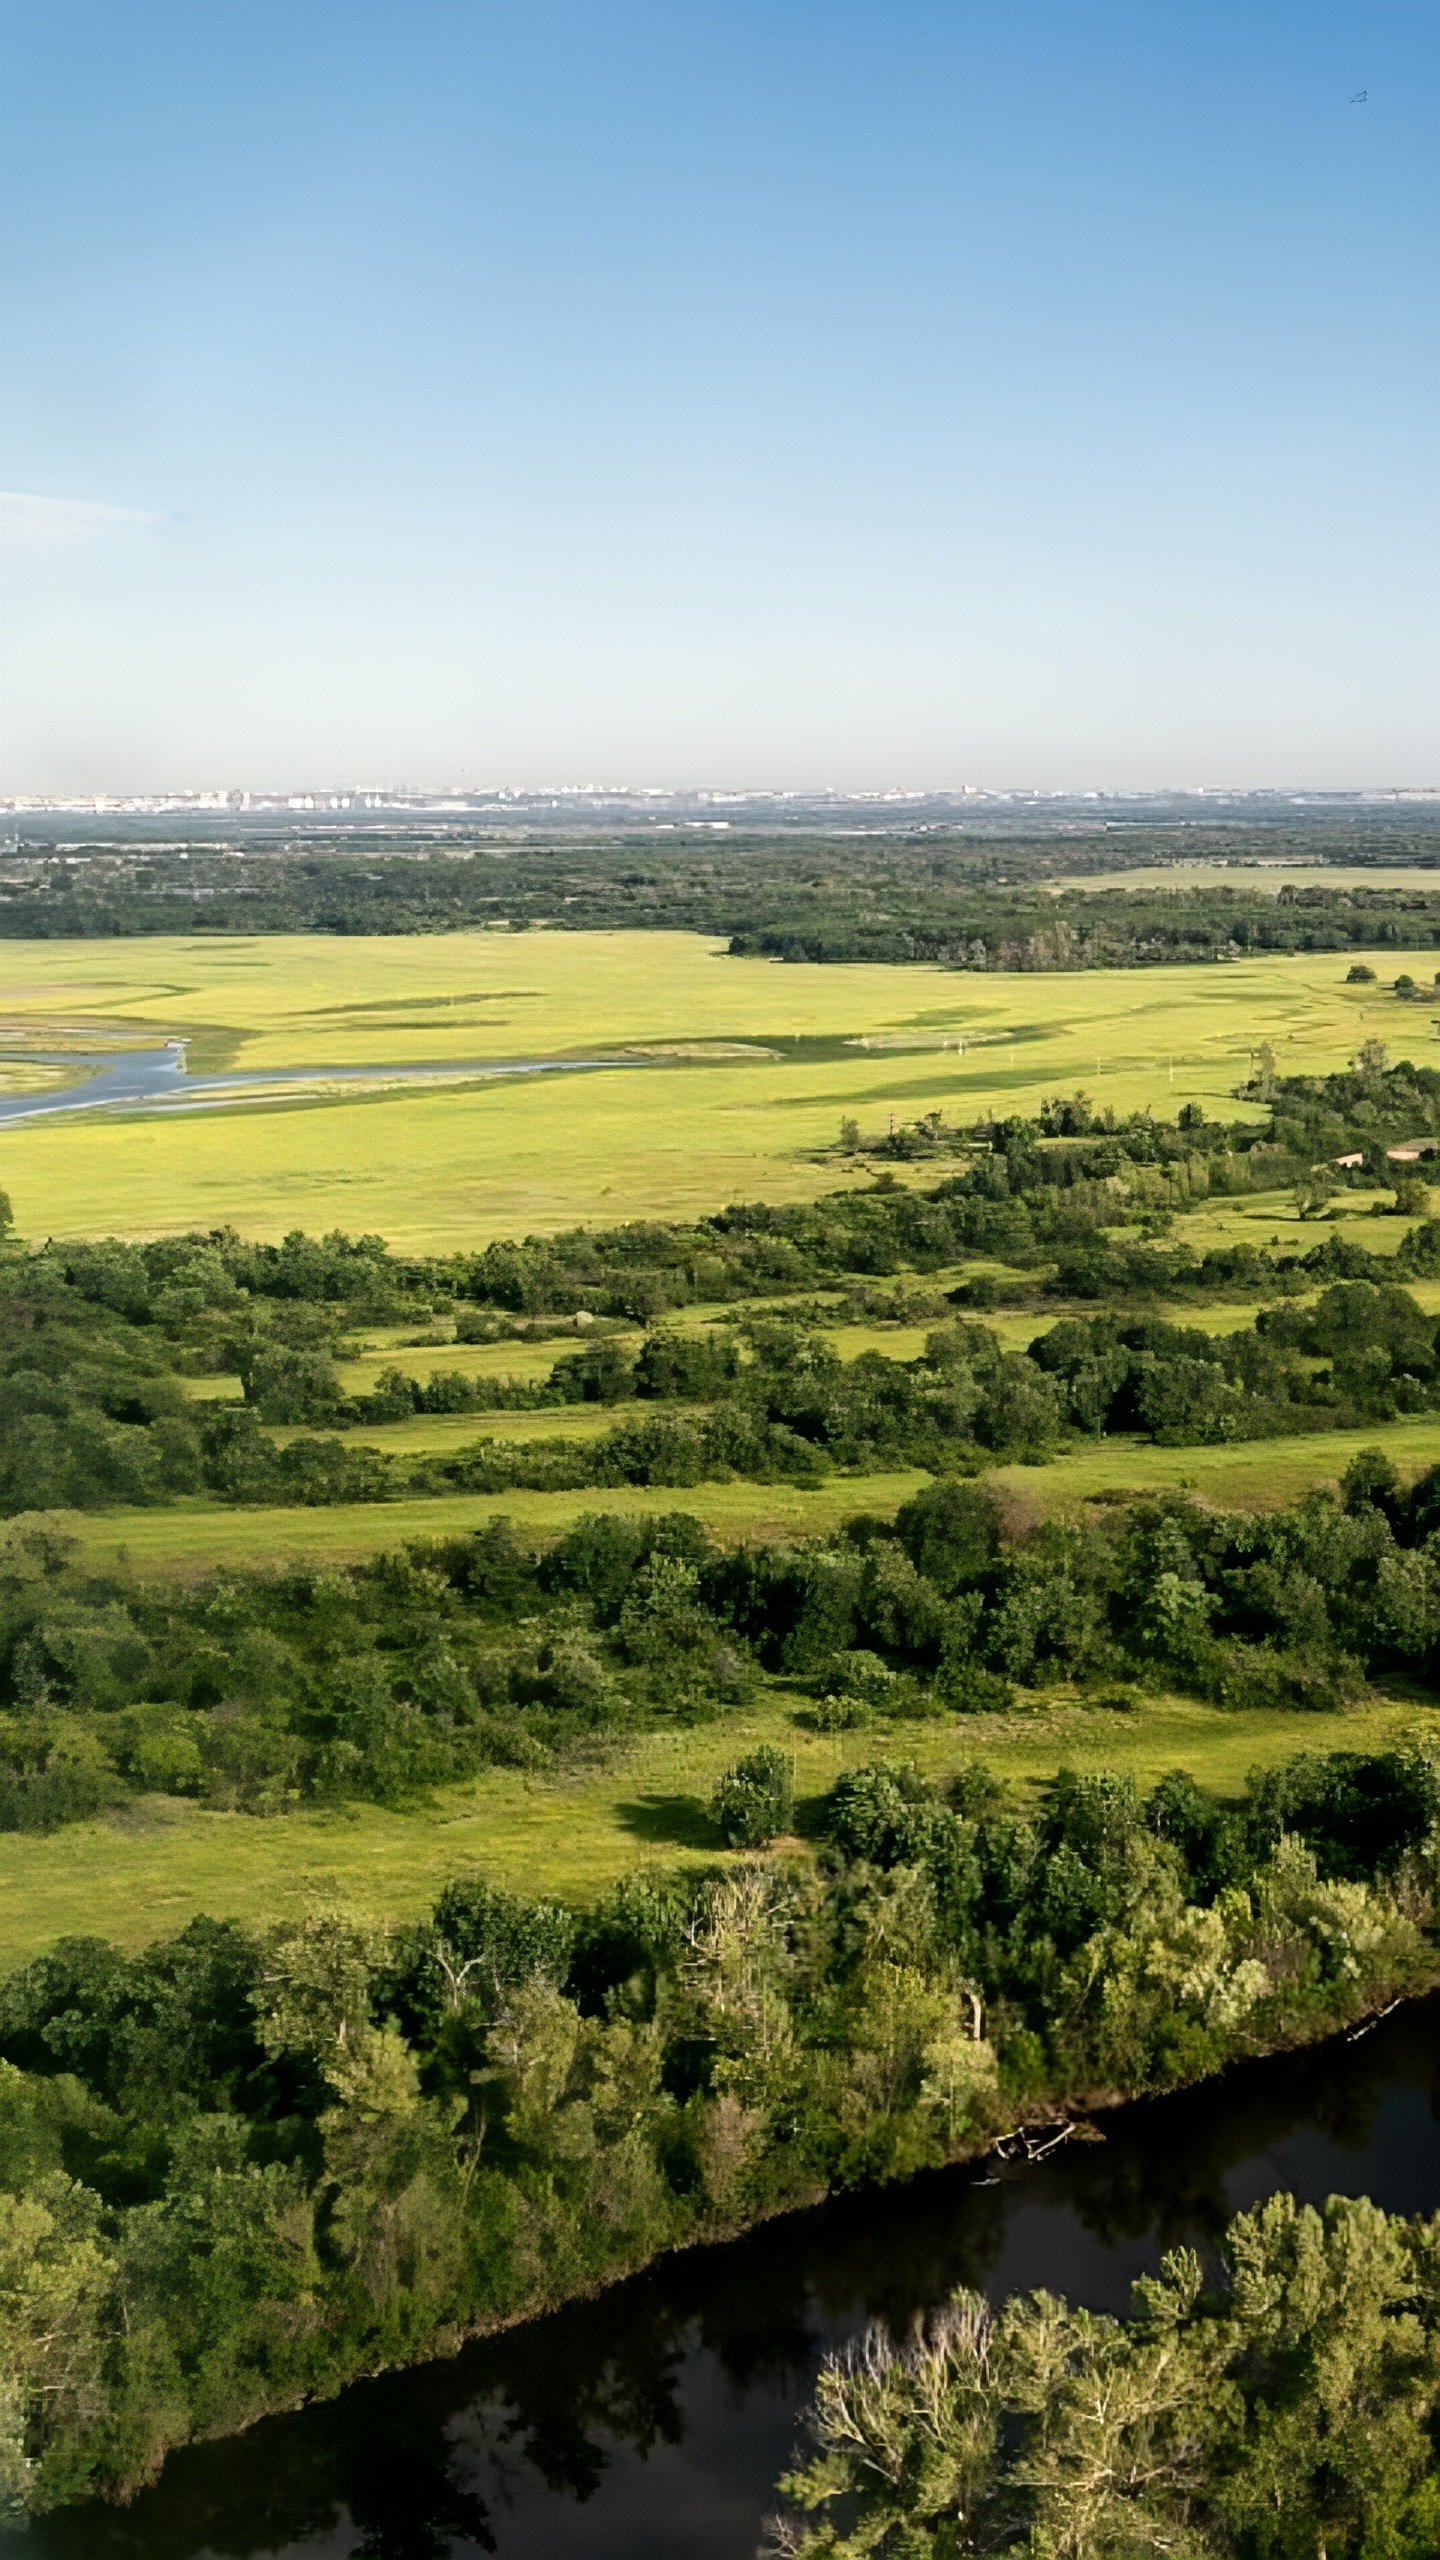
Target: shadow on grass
672, 1822
683, 1822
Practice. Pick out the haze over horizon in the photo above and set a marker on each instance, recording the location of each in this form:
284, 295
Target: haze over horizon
459, 396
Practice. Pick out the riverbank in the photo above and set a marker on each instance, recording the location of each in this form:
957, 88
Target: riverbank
421, 2234
659, 2417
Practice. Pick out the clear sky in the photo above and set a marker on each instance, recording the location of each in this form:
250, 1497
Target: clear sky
794, 392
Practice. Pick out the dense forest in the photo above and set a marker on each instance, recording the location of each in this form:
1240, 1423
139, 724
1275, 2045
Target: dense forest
245, 2166
965, 901
1288, 2409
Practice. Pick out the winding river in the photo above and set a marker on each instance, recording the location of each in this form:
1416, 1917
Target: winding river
651, 2425
158, 1079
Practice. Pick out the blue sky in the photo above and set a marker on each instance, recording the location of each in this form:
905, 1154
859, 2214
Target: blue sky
801, 393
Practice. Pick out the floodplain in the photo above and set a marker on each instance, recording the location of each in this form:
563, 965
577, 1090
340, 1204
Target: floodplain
729, 1081
729, 1078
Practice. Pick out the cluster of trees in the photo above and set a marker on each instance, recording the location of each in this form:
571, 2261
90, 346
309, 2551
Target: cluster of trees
1289, 1608
1290, 2407
969, 901
258, 1690
245, 2166
951, 925
1362, 1352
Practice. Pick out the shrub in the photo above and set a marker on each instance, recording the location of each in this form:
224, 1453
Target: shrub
839, 1711
754, 1800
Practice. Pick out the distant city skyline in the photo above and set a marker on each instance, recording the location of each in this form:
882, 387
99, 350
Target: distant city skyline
923, 396
654, 800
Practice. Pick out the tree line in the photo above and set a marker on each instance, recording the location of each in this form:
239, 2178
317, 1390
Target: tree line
966, 901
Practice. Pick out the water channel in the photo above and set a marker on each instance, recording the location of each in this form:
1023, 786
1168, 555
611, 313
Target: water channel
655, 2421
158, 1079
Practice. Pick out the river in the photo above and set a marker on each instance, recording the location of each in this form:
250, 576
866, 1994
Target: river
651, 2425
133, 1080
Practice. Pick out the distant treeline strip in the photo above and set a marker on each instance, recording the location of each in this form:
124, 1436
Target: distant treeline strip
964, 902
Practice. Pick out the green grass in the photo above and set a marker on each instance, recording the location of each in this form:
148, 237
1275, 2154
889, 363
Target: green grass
144, 1875
452, 1166
1271, 1218
1015, 1328
194, 1538
1268, 877
437, 1435
1259, 1474
525, 1362
895, 1341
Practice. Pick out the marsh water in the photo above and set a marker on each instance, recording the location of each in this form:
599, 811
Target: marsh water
158, 1079
654, 2421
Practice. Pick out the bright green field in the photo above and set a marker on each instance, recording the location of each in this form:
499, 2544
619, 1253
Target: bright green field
147, 1874
439, 1435
1271, 1218
1258, 1473
522, 1361
1268, 877
194, 1538
452, 1165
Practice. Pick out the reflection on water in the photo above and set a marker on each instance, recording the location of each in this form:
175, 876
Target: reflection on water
655, 2421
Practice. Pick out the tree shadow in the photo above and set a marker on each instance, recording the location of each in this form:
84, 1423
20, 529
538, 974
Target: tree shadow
675, 1822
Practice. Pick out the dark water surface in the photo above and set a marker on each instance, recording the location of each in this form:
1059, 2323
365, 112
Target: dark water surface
655, 2421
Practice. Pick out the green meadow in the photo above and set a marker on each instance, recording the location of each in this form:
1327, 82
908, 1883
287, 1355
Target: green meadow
1268, 875
736, 1072
144, 1874
193, 1538
197, 1538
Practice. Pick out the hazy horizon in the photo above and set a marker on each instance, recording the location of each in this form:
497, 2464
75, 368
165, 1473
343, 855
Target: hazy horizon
238, 796
1041, 400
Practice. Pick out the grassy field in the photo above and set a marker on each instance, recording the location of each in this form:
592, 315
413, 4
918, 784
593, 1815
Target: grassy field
525, 1362
1271, 1218
752, 1064
1268, 877
145, 1875
193, 1539
1259, 1474
438, 1435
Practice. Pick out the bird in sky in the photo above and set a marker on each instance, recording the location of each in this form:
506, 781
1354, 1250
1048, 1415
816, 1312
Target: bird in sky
1360, 97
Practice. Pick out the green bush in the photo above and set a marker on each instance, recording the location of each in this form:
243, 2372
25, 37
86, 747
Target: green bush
754, 1800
